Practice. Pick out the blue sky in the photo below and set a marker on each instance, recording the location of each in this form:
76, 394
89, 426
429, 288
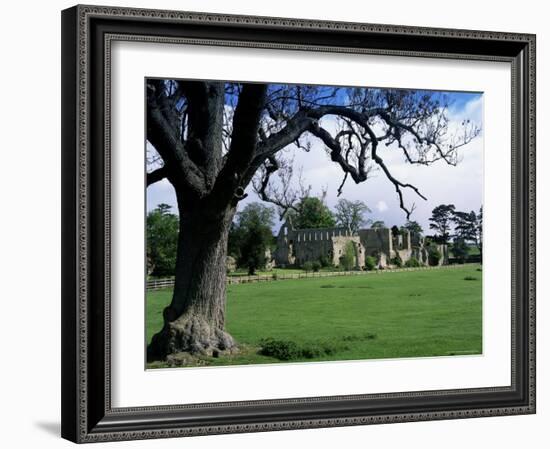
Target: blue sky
461, 185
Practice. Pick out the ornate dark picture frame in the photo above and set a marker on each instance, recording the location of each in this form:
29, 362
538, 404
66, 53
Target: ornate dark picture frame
87, 33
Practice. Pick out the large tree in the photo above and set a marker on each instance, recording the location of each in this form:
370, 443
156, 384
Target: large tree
442, 221
468, 227
214, 137
465, 225
312, 213
479, 241
252, 235
351, 214
162, 240
413, 227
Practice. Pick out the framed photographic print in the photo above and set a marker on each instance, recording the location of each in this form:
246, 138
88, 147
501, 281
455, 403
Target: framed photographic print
282, 223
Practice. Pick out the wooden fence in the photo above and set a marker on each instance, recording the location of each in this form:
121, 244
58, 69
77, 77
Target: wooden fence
158, 284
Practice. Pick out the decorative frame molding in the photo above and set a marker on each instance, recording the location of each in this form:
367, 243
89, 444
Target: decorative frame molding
87, 33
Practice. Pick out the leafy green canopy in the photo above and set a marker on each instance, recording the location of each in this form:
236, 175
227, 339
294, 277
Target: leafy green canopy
413, 227
162, 240
348, 259
442, 221
351, 214
313, 213
250, 236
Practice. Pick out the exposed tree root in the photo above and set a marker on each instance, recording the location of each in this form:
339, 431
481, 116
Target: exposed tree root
191, 334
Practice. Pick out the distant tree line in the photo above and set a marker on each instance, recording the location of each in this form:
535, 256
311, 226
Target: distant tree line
462, 230
162, 240
251, 238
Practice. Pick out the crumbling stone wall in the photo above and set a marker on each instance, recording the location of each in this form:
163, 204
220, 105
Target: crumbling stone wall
377, 243
313, 244
376, 240
444, 250
402, 246
297, 246
284, 253
339, 246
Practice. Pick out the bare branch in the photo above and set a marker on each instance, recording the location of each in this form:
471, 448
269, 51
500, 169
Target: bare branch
173, 152
284, 196
156, 175
433, 138
358, 174
341, 186
244, 140
336, 153
398, 184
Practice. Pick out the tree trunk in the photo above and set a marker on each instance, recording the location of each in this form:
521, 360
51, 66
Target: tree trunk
194, 321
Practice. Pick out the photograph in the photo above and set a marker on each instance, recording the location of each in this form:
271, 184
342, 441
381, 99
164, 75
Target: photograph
299, 223
294, 222
275, 225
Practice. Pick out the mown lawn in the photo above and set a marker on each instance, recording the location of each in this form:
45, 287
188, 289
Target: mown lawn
390, 315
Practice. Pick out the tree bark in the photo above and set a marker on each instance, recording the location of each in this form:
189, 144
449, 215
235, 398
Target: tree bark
194, 321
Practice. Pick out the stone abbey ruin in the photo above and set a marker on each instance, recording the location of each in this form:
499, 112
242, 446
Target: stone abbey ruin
298, 246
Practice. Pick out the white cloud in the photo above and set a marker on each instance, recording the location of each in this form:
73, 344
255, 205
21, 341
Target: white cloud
381, 206
161, 192
472, 110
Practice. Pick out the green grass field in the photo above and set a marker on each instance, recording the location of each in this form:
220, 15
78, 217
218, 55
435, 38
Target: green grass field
390, 315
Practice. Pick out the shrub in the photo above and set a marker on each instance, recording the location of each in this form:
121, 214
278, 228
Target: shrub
434, 256
370, 263
347, 260
324, 261
289, 350
412, 263
280, 349
316, 266
397, 261
274, 276
460, 250
307, 266
317, 350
